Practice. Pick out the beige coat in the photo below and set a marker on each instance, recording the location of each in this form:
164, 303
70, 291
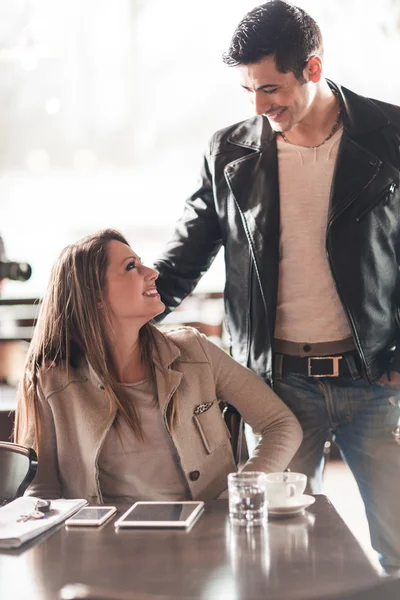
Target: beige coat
76, 418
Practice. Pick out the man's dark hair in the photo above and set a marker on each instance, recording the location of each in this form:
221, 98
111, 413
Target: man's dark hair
276, 29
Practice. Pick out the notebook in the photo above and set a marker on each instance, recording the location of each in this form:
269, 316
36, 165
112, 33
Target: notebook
13, 534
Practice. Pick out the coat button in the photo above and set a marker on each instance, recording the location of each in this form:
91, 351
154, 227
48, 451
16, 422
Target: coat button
307, 348
194, 475
101, 387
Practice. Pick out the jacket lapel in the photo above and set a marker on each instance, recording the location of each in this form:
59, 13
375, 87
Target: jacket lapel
253, 181
255, 175
355, 169
167, 383
356, 166
167, 379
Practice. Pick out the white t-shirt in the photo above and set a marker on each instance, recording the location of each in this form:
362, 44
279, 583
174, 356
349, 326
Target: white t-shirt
131, 470
309, 308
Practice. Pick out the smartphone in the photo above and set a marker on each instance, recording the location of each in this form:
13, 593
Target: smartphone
161, 514
91, 516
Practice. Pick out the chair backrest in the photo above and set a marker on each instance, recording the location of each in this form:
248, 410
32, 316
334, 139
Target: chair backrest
234, 422
18, 465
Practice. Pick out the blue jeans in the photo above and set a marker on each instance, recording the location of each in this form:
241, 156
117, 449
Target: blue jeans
362, 418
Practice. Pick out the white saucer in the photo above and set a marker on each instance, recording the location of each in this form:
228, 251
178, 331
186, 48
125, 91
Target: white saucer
293, 507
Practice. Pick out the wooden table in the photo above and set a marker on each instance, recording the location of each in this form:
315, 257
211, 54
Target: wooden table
298, 557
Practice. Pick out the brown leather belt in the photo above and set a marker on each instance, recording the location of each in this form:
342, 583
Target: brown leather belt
319, 366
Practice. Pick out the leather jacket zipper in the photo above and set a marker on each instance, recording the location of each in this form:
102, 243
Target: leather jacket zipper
347, 311
248, 320
387, 192
345, 307
252, 266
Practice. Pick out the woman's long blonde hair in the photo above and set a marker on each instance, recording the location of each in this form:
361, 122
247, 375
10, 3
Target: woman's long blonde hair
71, 326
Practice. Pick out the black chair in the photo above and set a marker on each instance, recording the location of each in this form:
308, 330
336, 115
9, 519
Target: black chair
18, 465
234, 422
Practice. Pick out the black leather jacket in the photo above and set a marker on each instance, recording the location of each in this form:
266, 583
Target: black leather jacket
237, 205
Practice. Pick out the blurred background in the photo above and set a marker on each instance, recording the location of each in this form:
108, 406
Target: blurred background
106, 108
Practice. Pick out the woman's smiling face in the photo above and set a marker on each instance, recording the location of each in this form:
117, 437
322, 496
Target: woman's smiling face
131, 292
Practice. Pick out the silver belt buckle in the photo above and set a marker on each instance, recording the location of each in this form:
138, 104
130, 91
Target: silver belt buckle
335, 366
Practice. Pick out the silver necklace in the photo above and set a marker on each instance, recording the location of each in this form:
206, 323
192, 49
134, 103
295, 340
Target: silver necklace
330, 134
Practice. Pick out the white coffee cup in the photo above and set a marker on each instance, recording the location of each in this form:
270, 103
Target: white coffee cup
283, 488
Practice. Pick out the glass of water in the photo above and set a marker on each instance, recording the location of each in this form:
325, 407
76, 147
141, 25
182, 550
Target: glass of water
247, 498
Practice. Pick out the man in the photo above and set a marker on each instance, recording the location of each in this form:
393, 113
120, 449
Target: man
305, 199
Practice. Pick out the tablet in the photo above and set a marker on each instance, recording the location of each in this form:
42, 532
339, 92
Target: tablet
161, 514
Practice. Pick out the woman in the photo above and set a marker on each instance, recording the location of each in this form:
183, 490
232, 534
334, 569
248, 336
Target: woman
119, 411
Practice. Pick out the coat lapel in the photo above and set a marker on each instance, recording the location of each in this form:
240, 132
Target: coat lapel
167, 382
355, 169
167, 379
253, 181
356, 166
